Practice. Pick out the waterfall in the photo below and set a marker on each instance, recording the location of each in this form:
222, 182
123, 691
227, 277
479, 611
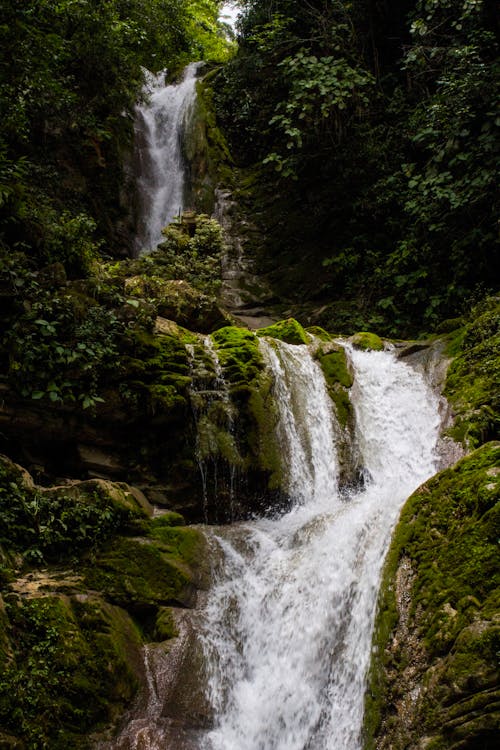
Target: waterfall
159, 165
288, 627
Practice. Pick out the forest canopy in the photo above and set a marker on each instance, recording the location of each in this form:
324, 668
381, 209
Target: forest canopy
379, 122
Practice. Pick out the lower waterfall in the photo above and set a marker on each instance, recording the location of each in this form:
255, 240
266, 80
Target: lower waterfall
287, 634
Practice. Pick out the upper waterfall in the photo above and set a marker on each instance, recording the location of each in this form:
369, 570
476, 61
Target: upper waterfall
288, 625
159, 165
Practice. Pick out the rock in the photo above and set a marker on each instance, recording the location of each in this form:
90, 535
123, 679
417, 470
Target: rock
98, 463
367, 341
178, 301
17, 474
435, 672
288, 330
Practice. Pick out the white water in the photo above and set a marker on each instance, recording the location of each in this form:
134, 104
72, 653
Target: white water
159, 165
288, 628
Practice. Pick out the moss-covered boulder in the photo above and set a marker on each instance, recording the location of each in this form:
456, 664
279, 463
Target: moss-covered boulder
86, 578
60, 523
250, 442
434, 680
143, 573
288, 330
73, 668
239, 355
367, 341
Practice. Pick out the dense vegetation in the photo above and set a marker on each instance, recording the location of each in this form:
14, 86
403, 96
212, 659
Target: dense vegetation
372, 128
70, 74
364, 135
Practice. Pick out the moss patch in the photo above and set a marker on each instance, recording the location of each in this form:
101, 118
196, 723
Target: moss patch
473, 381
288, 330
333, 361
239, 355
445, 641
367, 341
71, 671
70, 639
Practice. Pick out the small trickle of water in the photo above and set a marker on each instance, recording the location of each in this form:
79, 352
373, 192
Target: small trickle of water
213, 414
159, 164
288, 625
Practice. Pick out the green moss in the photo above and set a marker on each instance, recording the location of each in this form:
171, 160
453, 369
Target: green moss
338, 380
182, 544
367, 341
156, 374
288, 330
215, 440
473, 380
239, 355
72, 670
165, 627
335, 368
319, 333
220, 162
170, 518
448, 534
261, 435
139, 573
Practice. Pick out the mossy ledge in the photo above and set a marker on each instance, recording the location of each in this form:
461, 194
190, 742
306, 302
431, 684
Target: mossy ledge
434, 679
86, 578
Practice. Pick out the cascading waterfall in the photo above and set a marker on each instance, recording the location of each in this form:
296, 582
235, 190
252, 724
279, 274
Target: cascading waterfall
288, 626
159, 165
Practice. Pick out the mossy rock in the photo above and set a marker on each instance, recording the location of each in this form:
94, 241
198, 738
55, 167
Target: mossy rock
333, 361
177, 300
437, 630
261, 434
319, 333
288, 330
118, 497
335, 367
138, 573
367, 341
74, 670
60, 523
473, 379
165, 627
239, 355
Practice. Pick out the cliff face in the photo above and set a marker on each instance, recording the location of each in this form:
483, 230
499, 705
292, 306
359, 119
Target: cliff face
434, 681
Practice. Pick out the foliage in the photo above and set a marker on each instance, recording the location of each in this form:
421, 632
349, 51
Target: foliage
195, 259
71, 72
70, 670
384, 115
62, 347
55, 526
211, 40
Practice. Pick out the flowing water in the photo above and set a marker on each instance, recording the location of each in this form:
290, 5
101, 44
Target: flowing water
159, 164
288, 625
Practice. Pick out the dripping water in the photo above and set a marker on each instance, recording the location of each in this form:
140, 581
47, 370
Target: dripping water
288, 626
212, 410
159, 165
